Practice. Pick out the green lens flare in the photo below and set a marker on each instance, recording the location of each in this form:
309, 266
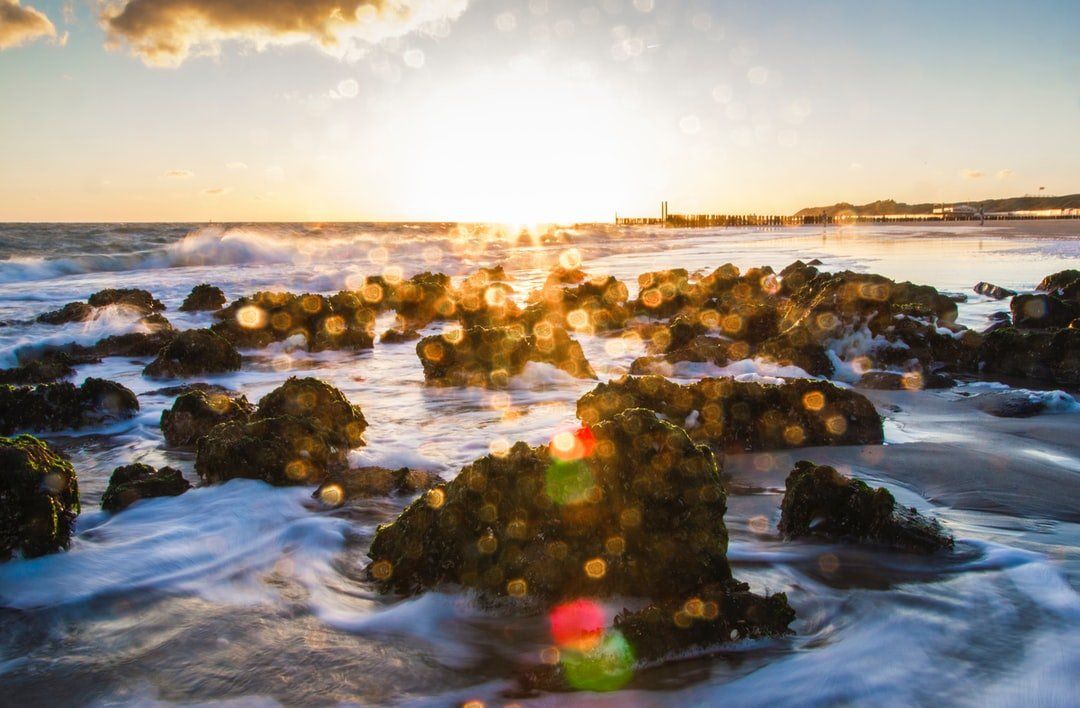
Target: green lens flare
568, 482
607, 667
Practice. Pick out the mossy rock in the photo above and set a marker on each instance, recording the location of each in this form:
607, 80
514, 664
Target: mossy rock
344, 321
194, 352
131, 297
741, 416
39, 498
130, 483
1043, 311
71, 312
204, 297
1059, 281
282, 451
489, 356
1045, 355
39, 371
819, 501
312, 399
195, 412
641, 516
58, 406
366, 482
398, 336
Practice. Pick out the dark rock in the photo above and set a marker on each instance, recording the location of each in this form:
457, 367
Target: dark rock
423, 299
994, 291
202, 298
342, 423
595, 305
344, 321
281, 451
71, 312
38, 371
1059, 281
1008, 404
58, 406
366, 482
910, 381
397, 336
39, 498
133, 343
482, 356
1039, 311
741, 416
1036, 354
486, 304
132, 297
193, 352
819, 501
195, 412
130, 483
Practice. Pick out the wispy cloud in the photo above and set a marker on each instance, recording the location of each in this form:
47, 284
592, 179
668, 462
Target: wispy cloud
20, 24
168, 32
972, 174
236, 165
1004, 174
217, 191
178, 174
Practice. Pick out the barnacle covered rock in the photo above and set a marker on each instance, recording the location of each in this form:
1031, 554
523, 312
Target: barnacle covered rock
819, 501
364, 482
132, 297
196, 411
315, 400
130, 483
203, 297
193, 352
39, 498
344, 321
1045, 355
742, 416
58, 406
489, 356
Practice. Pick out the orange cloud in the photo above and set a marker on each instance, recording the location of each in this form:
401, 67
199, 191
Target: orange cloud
167, 32
21, 24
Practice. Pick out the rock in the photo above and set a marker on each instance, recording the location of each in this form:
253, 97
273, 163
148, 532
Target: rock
994, 291
489, 356
366, 482
1058, 281
39, 498
1035, 354
195, 412
664, 293
202, 298
909, 381
397, 336
602, 524
596, 305
130, 483
281, 451
39, 371
713, 350
193, 352
743, 416
423, 299
71, 312
344, 321
133, 297
58, 406
1009, 404
819, 501
342, 423
1039, 311
483, 304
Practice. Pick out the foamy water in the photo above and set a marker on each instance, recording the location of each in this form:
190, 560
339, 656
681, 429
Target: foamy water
246, 591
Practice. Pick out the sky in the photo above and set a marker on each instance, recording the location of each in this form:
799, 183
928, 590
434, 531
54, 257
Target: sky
527, 111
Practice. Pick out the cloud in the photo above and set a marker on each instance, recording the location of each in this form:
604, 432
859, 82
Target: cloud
236, 165
167, 32
217, 191
1004, 174
20, 24
178, 174
973, 174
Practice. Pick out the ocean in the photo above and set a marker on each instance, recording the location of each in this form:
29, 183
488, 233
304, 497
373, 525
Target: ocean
254, 594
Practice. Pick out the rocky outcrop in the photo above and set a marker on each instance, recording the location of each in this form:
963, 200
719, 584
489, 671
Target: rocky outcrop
1043, 311
59, 406
204, 297
344, 321
136, 298
312, 399
995, 291
1044, 355
397, 336
819, 501
71, 312
131, 483
51, 368
194, 352
743, 416
594, 305
366, 482
1061, 282
39, 498
195, 412
482, 356
910, 381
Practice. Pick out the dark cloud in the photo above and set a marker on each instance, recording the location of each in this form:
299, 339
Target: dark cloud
20, 24
166, 32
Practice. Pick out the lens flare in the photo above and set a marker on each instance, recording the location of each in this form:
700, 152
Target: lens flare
607, 667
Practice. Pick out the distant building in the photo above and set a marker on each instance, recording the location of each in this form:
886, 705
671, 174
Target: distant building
958, 210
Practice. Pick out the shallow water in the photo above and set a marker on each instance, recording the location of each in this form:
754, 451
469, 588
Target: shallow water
246, 591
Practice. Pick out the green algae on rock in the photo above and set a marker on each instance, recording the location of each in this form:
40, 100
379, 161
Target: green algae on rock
58, 406
203, 297
193, 352
132, 297
39, 498
313, 399
196, 411
819, 501
1048, 355
489, 356
743, 416
130, 483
